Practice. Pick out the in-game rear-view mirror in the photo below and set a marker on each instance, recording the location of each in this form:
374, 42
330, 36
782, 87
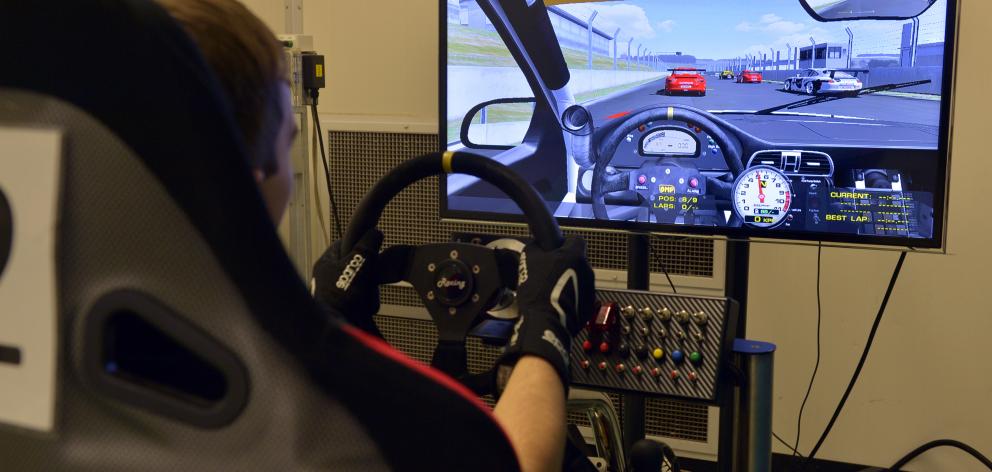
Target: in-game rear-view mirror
498, 123
836, 10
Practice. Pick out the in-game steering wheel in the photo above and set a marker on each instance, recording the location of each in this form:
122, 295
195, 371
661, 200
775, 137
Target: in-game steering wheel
457, 282
603, 183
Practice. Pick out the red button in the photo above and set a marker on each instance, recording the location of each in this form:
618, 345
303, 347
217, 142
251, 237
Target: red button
602, 365
584, 363
692, 376
637, 370
604, 347
641, 179
674, 374
586, 345
693, 182
620, 368
655, 372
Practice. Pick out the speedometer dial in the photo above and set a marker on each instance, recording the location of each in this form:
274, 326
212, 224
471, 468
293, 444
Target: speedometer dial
762, 196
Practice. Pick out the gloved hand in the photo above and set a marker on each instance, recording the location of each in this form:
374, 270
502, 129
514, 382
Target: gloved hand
556, 298
349, 283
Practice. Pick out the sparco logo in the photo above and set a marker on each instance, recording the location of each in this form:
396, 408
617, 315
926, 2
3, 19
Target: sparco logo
448, 283
522, 269
349, 273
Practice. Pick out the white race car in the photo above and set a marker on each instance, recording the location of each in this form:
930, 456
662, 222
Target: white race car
822, 81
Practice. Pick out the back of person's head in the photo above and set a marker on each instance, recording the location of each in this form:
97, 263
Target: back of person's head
251, 67
250, 64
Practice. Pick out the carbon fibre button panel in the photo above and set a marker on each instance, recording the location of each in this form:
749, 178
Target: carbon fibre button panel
691, 353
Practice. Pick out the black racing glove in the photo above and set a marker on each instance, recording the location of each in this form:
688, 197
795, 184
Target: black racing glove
556, 298
349, 284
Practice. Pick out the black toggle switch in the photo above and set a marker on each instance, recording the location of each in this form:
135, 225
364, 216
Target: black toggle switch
642, 352
624, 350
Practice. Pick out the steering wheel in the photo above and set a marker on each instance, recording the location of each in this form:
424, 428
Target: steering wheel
457, 282
603, 183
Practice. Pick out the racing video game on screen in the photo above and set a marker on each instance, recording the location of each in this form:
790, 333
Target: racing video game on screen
810, 119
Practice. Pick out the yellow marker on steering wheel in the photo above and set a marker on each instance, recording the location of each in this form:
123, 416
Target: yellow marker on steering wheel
446, 161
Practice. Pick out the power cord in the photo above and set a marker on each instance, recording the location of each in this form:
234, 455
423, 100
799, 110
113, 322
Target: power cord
912, 454
941, 442
861, 362
786, 444
816, 365
324, 230
664, 269
915, 452
314, 93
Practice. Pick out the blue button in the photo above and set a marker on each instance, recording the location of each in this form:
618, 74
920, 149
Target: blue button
678, 356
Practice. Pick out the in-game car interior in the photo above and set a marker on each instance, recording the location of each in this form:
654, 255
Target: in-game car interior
860, 166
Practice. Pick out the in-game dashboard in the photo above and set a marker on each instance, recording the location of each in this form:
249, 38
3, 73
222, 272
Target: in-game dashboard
677, 175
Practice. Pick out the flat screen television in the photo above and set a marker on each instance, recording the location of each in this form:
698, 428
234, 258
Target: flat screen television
817, 120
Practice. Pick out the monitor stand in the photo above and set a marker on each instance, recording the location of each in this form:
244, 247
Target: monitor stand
638, 278
745, 414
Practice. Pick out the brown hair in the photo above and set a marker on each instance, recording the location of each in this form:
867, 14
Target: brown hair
248, 60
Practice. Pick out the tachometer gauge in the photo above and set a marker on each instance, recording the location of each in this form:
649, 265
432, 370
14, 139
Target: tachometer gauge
762, 196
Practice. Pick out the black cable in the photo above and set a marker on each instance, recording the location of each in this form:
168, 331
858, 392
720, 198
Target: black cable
816, 365
941, 442
664, 269
323, 156
784, 443
861, 362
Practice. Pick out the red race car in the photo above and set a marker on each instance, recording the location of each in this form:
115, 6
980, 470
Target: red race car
749, 77
685, 80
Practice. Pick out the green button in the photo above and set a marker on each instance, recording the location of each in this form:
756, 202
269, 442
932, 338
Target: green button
695, 357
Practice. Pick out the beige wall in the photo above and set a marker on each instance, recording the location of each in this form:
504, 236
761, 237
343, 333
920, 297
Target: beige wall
270, 11
927, 376
381, 61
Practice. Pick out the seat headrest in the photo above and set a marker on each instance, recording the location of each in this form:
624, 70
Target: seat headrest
127, 64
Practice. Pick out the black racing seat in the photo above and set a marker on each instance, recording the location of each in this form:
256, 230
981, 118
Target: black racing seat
186, 341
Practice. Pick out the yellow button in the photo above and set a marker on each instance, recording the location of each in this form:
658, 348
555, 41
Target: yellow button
658, 353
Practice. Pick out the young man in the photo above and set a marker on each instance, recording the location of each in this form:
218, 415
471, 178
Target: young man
249, 63
555, 297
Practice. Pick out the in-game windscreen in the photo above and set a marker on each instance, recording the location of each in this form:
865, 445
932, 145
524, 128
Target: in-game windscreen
818, 119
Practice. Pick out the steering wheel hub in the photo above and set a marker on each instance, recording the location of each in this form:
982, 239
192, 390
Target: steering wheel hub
454, 282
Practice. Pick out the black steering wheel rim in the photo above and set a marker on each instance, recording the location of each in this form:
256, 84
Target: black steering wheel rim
455, 295
731, 154
542, 225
